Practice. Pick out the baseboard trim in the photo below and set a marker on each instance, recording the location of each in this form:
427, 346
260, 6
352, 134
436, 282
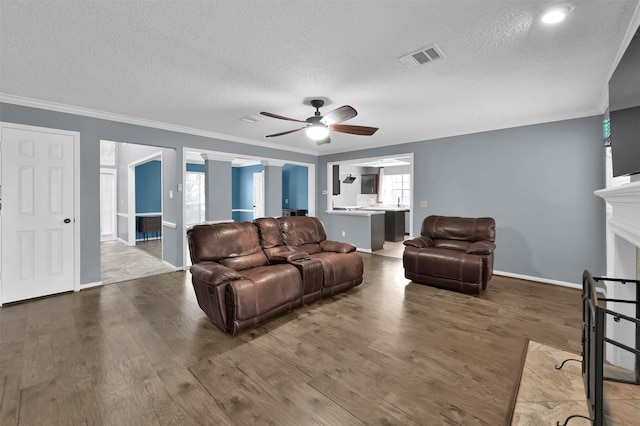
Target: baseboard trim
90, 285
175, 268
364, 250
538, 279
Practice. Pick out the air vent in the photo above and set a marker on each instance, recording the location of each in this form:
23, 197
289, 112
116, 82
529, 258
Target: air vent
422, 56
250, 118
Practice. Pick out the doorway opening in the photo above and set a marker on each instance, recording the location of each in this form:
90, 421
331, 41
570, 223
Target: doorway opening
136, 249
376, 183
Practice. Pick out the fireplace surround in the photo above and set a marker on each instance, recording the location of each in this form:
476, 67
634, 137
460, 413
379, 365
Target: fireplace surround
622, 261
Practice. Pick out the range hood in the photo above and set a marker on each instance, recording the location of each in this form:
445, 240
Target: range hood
349, 179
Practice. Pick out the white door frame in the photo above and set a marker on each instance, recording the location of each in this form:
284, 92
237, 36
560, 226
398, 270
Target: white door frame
131, 194
114, 203
76, 194
330, 165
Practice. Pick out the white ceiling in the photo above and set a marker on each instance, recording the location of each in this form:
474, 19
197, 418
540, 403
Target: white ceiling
204, 65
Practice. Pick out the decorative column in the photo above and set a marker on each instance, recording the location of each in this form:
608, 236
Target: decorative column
273, 187
217, 187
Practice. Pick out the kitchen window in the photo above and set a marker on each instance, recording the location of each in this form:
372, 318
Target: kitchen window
396, 187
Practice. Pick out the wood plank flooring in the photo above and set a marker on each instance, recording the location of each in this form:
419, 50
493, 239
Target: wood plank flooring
387, 352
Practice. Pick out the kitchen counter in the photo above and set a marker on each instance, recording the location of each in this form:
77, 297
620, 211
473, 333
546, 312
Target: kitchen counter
355, 212
387, 208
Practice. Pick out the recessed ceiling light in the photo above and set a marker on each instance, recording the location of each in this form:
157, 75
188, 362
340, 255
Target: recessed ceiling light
556, 13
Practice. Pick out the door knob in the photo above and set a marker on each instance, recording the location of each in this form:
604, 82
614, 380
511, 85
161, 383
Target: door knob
67, 220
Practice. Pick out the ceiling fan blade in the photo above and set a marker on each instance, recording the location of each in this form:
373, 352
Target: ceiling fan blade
339, 115
354, 130
281, 117
285, 133
324, 141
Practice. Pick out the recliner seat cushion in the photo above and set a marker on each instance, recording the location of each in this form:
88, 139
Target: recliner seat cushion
340, 267
266, 288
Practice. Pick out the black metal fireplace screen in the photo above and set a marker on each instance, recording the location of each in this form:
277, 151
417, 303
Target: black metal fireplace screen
594, 317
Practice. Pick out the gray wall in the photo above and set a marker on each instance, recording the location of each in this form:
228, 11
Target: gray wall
272, 191
218, 190
92, 130
536, 181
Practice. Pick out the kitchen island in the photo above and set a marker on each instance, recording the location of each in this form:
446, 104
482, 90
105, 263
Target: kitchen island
363, 228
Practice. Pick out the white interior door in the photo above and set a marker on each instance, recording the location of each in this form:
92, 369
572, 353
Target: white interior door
258, 195
38, 224
108, 213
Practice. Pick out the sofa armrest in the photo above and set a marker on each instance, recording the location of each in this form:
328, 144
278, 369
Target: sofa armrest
288, 256
336, 246
481, 248
214, 274
419, 242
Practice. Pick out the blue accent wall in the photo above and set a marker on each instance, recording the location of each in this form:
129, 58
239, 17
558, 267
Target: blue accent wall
295, 187
149, 187
242, 191
195, 167
148, 190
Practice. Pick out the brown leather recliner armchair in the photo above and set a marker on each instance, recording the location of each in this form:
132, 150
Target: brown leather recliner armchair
453, 253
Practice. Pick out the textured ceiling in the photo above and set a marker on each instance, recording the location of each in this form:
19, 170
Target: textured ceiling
204, 65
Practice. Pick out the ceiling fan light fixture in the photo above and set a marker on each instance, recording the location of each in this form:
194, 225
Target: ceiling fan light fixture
317, 132
556, 13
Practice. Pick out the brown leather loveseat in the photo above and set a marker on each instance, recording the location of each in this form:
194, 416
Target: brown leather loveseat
244, 273
454, 253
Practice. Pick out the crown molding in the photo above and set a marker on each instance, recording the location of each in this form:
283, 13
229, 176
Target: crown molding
461, 131
276, 163
86, 112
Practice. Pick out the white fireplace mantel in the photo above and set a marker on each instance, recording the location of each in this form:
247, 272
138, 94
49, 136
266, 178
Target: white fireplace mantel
625, 219
622, 262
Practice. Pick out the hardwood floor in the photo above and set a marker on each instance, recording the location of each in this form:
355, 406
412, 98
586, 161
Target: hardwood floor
386, 352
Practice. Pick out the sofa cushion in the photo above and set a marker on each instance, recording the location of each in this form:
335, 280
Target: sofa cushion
270, 233
481, 248
302, 230
247, 261
214, 242
451, 244
340, 268
419, 242
337, 246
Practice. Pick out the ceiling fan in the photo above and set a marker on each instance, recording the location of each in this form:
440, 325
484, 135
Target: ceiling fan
318, 126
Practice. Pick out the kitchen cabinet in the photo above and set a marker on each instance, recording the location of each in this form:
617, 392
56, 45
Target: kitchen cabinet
369, 184
336, 179
394, 225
